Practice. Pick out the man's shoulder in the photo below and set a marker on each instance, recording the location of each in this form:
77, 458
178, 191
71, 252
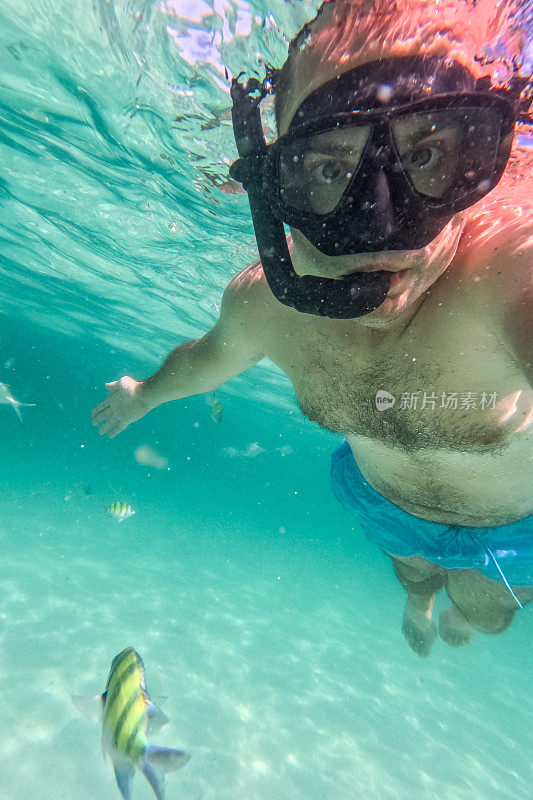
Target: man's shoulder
498, 237
495, 256
249, 282
247, 293
250, 291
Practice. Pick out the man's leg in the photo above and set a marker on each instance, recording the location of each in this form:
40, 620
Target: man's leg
422, 580
478, 604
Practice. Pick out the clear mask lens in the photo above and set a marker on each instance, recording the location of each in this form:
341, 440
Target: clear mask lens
315, 171
446, 153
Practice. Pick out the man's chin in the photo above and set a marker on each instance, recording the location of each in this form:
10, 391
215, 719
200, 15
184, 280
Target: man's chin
391, 310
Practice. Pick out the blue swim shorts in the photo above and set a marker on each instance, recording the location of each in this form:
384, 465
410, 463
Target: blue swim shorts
402, 534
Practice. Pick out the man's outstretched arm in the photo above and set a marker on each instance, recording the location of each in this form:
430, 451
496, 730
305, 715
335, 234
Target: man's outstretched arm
194, 367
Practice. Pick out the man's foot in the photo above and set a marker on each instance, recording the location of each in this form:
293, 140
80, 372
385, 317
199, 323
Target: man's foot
454, 628
418, 626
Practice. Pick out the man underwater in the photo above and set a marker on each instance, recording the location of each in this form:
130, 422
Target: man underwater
409, 279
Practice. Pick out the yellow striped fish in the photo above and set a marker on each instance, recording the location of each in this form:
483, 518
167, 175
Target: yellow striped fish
128, 714
120, 511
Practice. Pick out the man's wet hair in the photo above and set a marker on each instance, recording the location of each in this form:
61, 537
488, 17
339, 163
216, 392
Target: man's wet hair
488, 38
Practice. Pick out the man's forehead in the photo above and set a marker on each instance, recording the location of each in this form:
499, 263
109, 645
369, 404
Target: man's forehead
310, 72
388, 82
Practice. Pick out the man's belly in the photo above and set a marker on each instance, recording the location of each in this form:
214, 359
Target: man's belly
453, 488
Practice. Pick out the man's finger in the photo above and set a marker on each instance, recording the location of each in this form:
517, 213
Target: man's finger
105, 427
99, 413
114, 430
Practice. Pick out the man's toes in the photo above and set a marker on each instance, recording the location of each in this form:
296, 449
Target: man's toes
453, 638
454, 628
420, 641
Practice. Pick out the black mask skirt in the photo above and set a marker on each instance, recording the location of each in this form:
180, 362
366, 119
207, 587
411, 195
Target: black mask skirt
379, 158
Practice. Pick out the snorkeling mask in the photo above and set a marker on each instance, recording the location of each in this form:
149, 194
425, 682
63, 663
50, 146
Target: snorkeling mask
379, 158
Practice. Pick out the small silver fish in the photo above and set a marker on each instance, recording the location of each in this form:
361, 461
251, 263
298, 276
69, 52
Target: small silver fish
6, 398
120, 511
217, 411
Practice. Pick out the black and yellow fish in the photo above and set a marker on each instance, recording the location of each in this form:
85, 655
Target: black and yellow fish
120, 511
128, 715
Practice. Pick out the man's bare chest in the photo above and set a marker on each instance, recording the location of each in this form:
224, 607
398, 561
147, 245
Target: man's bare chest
431, 388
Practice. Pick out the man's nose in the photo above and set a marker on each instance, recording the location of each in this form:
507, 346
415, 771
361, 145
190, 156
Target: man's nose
379, 212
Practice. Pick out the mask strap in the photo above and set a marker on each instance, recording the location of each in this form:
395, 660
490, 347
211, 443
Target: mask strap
348, 298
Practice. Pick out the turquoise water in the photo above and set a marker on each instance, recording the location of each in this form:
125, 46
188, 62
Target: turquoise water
268, 623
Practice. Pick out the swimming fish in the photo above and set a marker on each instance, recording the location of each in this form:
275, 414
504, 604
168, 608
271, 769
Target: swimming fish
6, 398
128, 714
217, 411
120, 511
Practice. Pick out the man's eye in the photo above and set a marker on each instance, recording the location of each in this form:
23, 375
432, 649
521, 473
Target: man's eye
329, 171
422, 158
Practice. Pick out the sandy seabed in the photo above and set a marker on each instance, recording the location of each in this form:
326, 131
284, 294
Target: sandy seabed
278, 657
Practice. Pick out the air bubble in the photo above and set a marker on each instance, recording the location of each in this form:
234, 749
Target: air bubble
483, 187
384, 93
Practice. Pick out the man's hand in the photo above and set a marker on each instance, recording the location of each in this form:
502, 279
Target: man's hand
121, 408
201, 365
